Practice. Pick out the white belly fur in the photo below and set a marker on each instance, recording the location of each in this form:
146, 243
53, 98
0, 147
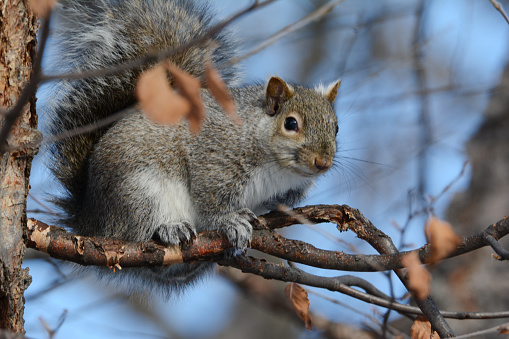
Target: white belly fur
267, 182
170, 198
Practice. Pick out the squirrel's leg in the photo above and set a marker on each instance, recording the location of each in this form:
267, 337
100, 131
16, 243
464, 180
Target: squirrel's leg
168, 204
175, 222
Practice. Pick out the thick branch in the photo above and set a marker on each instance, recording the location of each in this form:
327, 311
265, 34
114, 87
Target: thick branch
60, 244
97, 251
208, 245
347, 218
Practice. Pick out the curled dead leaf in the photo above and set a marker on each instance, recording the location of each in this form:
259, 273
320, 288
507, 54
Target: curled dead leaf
421, 329
503, 329
442, 238
189, 87
300, 302
158, 100
220, 92
418, 277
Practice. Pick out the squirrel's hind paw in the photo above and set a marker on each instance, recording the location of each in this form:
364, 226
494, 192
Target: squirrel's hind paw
174, 233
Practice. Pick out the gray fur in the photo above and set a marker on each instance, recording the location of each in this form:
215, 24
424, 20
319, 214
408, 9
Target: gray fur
138, 180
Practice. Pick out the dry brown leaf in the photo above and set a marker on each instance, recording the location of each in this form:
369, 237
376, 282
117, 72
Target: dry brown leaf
418, 277
421, 329
189, 88
158, 100
220, 92
300, 302
42, 8
503, 330
442, 238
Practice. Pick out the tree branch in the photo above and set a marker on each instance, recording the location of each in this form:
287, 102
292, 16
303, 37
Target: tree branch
269, 270
208, 246
109, 252
499, 8
502, 253
315, 15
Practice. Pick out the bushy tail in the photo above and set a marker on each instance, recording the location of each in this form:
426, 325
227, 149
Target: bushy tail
101, 34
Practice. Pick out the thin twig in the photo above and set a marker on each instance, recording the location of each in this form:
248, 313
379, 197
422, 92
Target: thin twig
270, 270
497, 247
156, 56
483, 333
48, 210
499, 8
75, 131
425, 130
320, 12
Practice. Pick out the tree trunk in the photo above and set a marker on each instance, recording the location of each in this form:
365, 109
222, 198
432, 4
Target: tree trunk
18, 28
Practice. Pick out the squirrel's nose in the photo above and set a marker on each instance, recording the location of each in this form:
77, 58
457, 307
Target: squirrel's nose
323, 163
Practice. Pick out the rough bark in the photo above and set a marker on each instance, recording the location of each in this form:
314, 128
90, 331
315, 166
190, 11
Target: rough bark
18, 28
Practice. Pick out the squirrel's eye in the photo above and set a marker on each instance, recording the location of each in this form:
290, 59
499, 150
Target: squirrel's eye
291, 124
337, 129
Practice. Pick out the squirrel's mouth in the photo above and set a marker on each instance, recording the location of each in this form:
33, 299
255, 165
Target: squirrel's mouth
306, 163
309, 171
313, 165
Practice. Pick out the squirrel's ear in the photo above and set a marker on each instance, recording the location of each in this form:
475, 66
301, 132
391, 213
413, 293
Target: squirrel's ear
332, 91
278, 92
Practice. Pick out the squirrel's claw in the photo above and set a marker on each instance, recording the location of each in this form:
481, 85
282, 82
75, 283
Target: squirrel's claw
237, 227
174, 233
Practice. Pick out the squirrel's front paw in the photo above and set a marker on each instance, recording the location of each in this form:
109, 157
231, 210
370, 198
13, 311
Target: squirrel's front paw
174, 233
237, 227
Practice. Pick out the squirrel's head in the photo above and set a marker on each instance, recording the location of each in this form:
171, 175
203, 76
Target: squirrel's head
305, 129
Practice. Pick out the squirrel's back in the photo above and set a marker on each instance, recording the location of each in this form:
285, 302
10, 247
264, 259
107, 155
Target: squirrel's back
104, 34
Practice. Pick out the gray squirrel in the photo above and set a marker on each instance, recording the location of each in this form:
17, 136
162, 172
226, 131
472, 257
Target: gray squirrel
137, 180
